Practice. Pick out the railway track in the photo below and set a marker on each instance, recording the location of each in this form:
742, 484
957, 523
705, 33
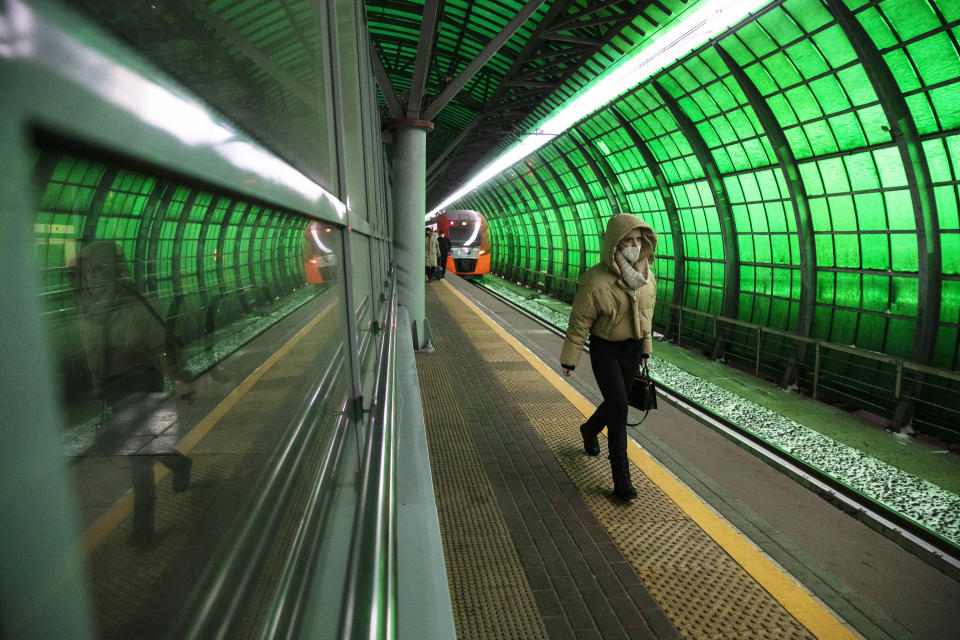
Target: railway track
922, 542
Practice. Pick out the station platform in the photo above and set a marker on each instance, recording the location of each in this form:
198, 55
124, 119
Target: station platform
718, 544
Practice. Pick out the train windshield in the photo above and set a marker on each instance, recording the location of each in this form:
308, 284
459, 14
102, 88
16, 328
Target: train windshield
465, 232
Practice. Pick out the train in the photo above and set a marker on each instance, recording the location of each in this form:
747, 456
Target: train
469, 242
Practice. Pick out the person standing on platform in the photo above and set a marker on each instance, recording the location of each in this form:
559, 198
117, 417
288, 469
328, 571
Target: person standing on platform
614, 307
127, 348
444, 242
431, 254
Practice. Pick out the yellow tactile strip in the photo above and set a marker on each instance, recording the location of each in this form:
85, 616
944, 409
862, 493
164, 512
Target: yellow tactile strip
704, 592
483, 568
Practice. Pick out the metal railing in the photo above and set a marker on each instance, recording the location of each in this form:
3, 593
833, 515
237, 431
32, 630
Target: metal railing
826, 370
370, 600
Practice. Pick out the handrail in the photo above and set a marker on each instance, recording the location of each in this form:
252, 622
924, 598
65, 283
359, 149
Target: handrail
370, 601
222, 592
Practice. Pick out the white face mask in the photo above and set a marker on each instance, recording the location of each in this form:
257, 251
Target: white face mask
632, 254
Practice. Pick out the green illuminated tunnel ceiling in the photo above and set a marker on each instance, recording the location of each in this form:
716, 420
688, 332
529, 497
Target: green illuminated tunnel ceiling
801, 168
535, 55
802, 171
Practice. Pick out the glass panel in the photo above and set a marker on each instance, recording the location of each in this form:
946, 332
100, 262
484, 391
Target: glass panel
171, 309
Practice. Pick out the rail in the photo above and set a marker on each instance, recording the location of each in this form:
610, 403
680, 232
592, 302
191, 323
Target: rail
884, 378
370, 602
220, 601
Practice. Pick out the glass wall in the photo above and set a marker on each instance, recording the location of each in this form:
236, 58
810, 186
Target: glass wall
801, 172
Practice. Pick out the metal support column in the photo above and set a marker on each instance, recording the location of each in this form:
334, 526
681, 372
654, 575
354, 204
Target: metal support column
409, 206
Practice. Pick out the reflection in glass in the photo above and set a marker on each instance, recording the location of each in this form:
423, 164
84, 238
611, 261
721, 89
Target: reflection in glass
187, 328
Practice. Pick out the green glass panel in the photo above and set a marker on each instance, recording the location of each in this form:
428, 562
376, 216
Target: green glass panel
946, 104
937, 160
875, 249
809, 14
877, 28
842, 214
758, 217
936, 58
804, 103
902, 70
761, 248
812, 182
950, 252
846, 131
829, 94
834, 175
761, 79
862, 172
899, 207
849, 290
756, 39
922, 112
780, 249
870, 210
777, 217
782, 70
709, 134
909, 18
781, 26
743, 188
820, 137
903, 252
826, 287
834, 46
737, 50
903, 299
890, 167
848, 253
807, 59
946, 199
950, 301
875, 125
857, 85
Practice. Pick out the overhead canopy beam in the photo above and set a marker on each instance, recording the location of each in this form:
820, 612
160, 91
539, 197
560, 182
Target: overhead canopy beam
386, 88
307, 94
453, 145
428, 28
452, 89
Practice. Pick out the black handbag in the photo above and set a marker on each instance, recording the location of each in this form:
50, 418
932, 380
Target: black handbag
643, 394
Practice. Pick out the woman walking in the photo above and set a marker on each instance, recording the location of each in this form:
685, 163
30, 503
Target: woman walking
614, 307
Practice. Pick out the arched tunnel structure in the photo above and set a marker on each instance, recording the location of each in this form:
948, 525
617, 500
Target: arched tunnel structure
228, 199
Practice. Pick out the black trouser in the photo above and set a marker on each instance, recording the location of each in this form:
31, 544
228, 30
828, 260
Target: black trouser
614, 365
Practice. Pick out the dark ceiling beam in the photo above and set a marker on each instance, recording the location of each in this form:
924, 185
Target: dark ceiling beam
293, 85
481, 60
574, 20
531, 83
556, 11
562, 37
386, 88
428, 33
453, 145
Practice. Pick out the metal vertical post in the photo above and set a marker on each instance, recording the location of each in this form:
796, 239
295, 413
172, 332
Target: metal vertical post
816, 368
409, 205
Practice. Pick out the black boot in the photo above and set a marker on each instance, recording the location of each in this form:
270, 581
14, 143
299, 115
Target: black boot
143, 535
590, 443
181, 472
622, 487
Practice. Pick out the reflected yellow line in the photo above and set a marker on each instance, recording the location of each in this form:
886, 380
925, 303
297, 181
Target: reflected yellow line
793, 596
107, 523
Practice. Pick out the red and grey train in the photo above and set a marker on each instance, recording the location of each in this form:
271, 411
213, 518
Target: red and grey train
469, 241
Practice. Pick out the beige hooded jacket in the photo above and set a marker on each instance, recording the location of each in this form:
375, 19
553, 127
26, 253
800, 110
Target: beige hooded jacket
605, 305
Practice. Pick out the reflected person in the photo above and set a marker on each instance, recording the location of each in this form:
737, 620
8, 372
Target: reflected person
614, 307
124, 340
